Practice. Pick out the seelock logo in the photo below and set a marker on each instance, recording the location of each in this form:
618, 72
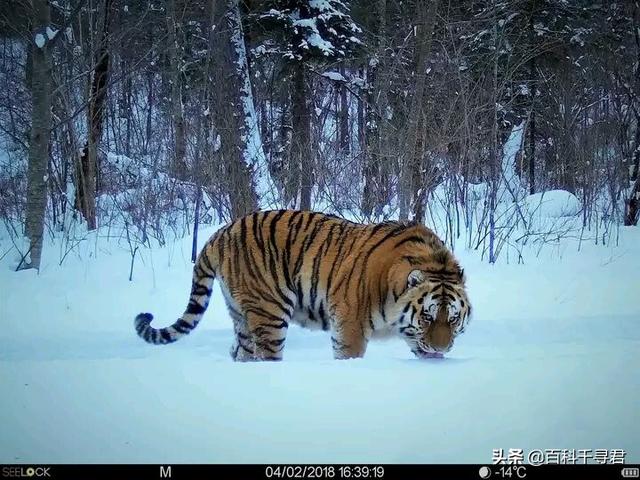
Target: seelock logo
25, 472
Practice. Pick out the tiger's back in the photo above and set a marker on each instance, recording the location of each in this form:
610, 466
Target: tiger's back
318, 271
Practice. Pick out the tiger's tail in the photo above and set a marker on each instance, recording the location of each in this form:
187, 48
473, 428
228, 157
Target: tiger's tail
203, 276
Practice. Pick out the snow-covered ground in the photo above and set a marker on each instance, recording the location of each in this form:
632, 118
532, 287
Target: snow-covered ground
550, 360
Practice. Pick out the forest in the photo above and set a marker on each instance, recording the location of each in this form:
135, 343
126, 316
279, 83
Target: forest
144, 119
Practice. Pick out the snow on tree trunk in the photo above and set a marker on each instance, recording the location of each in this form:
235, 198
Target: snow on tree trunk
253, 153
39, 139
235, 115
510, 185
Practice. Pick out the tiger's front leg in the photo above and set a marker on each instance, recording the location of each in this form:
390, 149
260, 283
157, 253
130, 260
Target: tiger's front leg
345, 349
348, 337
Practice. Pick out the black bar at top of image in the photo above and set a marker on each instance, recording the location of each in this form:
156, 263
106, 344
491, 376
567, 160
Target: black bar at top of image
316, 471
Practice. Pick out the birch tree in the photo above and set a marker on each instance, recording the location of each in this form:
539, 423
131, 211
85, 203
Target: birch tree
42, 34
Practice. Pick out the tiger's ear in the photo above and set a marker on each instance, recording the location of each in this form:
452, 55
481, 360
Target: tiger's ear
416, 277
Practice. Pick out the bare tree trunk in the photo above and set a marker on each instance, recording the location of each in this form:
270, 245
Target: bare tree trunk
632, 204
40, 132
361, 118
70, 147
234, 111
372, 196
531, 153
409, 186
280, 165
420, 182
148, 124
343, 116
88, 169
301, 156
493, 153
178, 167
127, 89
202, 147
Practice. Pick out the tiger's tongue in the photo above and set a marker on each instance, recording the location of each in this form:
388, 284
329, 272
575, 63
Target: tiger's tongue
434, 355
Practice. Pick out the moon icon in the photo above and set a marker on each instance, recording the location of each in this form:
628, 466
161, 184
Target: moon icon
484, 472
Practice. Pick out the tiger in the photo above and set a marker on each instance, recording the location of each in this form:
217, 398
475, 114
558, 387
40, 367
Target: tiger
358, 281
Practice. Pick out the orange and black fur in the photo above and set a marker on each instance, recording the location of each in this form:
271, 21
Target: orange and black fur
319, 271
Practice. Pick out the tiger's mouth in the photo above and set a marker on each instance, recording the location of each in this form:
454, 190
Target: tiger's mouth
424, 354
425, 351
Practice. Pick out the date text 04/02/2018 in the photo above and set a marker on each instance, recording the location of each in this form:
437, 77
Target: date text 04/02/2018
324, 471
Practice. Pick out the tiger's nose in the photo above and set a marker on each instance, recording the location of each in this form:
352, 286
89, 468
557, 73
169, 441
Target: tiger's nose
441, 340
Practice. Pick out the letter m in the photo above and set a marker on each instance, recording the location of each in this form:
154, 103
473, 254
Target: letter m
165, 472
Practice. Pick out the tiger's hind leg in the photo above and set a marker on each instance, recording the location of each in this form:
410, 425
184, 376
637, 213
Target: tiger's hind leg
242, 349
260, 328
259, 335
268, 332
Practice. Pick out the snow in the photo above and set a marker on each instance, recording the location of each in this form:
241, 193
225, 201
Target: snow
40, 40
549, 360
539, 218
315, 40
321, 5
312, 36
554, 204
335, 76
578, 37
51, 33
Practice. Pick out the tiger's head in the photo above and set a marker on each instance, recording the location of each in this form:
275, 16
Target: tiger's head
435, 309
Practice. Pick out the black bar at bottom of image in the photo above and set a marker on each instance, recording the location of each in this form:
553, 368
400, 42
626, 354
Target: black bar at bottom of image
318, 471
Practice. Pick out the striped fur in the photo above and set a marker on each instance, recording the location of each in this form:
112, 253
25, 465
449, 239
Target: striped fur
357, 281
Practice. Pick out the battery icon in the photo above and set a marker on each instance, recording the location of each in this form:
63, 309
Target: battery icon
631, 472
